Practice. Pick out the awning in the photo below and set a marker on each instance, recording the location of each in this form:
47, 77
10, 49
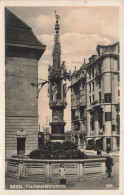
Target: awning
89, 138
97, 138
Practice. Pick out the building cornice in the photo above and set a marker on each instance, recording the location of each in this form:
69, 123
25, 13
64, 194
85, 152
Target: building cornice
109, 54
101, 74
25, 45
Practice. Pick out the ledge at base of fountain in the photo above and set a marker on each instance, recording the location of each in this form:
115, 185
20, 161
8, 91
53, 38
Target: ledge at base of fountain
48, 170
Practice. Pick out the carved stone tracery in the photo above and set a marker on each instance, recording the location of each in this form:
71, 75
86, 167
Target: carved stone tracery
57, 115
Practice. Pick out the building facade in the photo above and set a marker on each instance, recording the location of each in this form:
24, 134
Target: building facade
78, 105
95, 100
23, 51
102, 80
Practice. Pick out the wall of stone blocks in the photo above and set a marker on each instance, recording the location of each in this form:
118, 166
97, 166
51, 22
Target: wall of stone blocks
13, 124
21, 97
21, 103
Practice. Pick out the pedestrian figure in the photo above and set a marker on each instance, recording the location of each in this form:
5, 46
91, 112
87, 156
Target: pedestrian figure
109, 164
62, 174
99, 153
108, 150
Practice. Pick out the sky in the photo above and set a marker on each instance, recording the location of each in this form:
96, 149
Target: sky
81, 30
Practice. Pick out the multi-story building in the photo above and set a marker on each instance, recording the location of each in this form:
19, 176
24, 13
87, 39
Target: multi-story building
95, 100
23, 51
78, 104
102, 84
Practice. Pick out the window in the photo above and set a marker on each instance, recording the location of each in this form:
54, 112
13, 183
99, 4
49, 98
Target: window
99, 69
92, 121
72, 114
118, 92
100, 118
99, 97
93, 72
82, 112
93, 98
90, 74
113, 127
90, 87
20, 145
99, 82
92, 125
118, 68
107, 97
99, 52
118, 141
90, 100
107, 116
83, 86
76, 90
93, 86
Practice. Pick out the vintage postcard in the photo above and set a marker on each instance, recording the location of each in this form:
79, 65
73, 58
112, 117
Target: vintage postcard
61, 75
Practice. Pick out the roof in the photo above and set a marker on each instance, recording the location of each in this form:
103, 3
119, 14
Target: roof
18, 31
84, 66
74, 73
105, 46
106, 50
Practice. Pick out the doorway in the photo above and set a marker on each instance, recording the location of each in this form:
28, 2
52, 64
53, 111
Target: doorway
108, 144
21, 146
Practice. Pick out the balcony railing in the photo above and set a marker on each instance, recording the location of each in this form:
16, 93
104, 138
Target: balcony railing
75, 118
98, 102
100, 133
98, 73
95, 102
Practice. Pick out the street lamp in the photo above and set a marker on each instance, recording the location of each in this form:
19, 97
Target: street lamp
39, 86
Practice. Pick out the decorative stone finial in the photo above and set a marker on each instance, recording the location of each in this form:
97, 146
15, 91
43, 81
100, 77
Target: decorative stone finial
57, 17
56, 48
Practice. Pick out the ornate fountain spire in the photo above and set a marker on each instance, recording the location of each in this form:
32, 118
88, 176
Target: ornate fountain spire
56, 48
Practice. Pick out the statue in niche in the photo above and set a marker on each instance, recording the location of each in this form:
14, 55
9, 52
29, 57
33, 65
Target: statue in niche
63, 68
54, 92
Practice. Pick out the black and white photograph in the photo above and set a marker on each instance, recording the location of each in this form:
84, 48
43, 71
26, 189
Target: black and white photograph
62, 97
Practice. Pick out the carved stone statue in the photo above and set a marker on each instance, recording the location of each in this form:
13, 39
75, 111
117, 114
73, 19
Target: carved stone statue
54, 92
63, 68
50, 69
